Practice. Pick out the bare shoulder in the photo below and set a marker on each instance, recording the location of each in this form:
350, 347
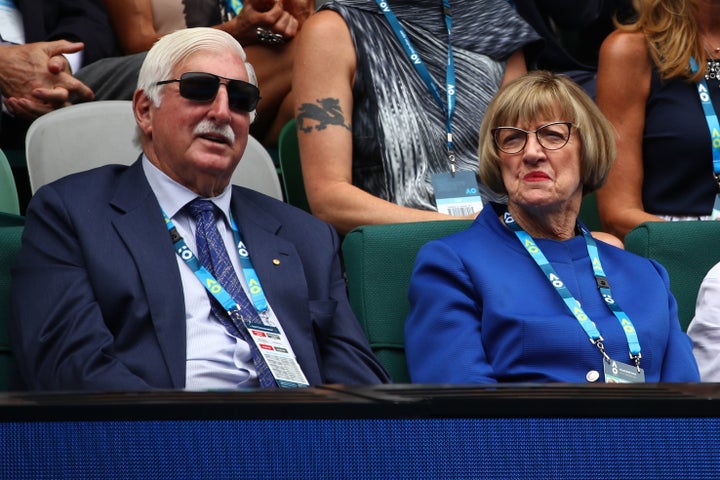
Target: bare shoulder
624, 67
625, 47
325, 24
325, 54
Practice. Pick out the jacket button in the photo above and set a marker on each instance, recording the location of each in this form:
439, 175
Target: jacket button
592, 376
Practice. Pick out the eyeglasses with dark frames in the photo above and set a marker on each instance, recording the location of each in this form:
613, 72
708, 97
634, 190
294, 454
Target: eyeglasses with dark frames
203, 87
552, 136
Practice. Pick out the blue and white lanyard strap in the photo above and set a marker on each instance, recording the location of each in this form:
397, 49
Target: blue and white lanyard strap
208, 280
711, 119
571, 302
257, 294
234, 6
424, 73
604, 287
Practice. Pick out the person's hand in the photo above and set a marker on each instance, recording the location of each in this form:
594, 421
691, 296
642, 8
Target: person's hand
300, 9
262, 5
268, 14
35, 78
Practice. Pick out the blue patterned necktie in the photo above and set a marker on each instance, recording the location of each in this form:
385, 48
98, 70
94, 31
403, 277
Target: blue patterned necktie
214, 257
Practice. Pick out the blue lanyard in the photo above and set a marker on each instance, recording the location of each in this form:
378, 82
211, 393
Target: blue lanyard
711, 119
208, 280
424, 73
235, 6
256, 291
567, 297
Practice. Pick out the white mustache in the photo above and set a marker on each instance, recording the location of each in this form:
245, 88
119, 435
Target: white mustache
208, 127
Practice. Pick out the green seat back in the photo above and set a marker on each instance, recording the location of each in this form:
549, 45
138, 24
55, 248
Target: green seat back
686, 249
378, 262
290, 168
589, 213
10, 233
8, 190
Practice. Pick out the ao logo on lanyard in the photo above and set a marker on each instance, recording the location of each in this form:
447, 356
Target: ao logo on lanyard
456, 193
615, 372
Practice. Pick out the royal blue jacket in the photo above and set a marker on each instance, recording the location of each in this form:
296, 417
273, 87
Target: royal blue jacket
483, 311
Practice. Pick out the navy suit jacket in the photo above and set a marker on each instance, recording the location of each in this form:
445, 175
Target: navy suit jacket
75, 20
97, 300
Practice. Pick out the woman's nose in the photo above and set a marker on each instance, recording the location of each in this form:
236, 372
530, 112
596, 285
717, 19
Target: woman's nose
533, 151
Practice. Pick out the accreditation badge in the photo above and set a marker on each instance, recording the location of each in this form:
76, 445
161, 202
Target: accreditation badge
457, 194
278, 355
618, 372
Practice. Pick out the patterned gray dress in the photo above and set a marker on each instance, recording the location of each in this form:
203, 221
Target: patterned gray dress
398, 128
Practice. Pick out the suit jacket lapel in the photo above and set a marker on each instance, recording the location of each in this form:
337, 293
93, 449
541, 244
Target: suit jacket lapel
143, 231
33, 15
274, 258
281, 273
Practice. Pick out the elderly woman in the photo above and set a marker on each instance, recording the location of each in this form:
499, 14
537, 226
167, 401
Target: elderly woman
526, 294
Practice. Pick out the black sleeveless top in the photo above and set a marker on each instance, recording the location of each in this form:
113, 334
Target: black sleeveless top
677, 154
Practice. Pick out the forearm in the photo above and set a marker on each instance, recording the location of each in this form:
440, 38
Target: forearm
133, 23
241, 29
346, 206
515, 67
620, 221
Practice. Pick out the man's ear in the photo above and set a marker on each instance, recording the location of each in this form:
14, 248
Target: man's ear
143, 112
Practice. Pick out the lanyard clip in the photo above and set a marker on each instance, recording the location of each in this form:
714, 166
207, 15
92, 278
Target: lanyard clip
174, 235
237, 318
602, 282
717, 179
451, 159
598, 342
636, 360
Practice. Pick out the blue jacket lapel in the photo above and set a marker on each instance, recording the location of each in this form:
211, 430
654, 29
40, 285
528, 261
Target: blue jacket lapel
143, 231
282, 276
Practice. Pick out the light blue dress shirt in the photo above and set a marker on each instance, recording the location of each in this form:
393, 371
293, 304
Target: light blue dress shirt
215, 359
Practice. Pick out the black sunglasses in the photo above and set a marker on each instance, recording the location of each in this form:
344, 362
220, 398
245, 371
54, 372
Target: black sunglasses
203, 87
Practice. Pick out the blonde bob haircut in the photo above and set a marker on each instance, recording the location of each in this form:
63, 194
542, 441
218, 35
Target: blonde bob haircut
542, 95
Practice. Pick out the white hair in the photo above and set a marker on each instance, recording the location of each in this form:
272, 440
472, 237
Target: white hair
174, 48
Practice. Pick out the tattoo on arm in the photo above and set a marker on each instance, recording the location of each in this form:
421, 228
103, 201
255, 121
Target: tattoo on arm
318, 116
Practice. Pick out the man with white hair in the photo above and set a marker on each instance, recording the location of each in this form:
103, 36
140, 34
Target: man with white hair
162, 274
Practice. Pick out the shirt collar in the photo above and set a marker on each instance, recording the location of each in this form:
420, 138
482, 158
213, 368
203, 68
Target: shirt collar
173, 196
